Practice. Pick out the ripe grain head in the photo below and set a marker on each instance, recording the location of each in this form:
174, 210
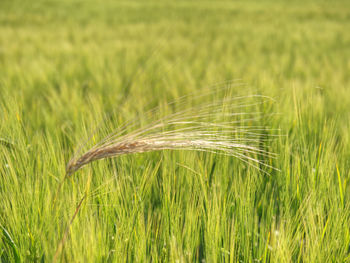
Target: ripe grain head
216, 121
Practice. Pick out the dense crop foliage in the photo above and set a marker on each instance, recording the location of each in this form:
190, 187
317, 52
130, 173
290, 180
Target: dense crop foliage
65, 64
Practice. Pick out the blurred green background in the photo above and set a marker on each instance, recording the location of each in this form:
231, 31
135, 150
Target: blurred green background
64, 64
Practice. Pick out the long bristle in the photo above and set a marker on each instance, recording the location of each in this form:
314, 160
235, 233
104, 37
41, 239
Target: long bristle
226, 126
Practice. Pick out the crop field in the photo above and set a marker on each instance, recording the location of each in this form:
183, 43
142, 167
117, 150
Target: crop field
72, 71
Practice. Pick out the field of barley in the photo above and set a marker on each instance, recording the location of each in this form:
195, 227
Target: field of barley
72, 71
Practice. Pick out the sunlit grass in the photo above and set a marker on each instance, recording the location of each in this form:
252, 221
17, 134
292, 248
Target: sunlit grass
64, 65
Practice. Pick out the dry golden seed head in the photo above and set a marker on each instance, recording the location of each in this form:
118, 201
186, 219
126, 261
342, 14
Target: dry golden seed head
71, 168
222, 126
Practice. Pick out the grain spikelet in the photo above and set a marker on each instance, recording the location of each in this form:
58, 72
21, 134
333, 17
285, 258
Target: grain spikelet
226, 124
